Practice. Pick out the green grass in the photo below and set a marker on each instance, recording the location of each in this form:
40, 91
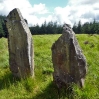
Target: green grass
42, 87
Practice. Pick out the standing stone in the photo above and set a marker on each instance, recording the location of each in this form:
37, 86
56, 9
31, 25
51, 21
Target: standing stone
68, 61
20, 45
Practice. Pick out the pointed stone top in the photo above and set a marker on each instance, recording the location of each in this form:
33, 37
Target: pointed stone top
15, 14
67, 28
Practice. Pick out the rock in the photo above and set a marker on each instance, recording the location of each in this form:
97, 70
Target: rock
68, 60
21, 52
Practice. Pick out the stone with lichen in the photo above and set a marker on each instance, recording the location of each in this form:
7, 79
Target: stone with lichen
20, 45
68, 60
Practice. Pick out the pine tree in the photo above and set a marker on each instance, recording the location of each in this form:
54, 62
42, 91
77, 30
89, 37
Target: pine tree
79, 28
1, 29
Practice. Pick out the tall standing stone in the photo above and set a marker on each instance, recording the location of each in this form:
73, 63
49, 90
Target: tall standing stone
68, 60
21, 52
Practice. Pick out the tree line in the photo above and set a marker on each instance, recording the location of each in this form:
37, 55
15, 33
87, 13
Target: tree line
86, 28
3, 29
54, 28
46, 28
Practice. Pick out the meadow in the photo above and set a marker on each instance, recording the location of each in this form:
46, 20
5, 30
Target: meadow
41, 86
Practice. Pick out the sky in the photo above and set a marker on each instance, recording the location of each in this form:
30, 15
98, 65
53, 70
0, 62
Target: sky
62, 11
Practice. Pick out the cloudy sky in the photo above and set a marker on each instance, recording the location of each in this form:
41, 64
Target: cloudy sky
69, 11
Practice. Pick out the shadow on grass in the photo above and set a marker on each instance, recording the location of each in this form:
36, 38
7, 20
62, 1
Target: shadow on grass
52, 92
6, 80
49, 93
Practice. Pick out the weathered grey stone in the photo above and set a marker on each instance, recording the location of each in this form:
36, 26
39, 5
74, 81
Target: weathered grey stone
68, 61
21, 52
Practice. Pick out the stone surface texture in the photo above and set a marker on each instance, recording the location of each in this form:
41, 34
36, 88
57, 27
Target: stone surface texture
68, 60
21, 54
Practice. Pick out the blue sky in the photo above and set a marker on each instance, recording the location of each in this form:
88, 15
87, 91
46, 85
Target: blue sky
62, 11
50, 3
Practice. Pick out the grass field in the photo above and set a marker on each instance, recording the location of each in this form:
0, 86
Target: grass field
42, 87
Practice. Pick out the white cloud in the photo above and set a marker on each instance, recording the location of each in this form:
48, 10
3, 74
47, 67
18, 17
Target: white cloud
39, 9
28, 11
62, 14
8, 5
84, 10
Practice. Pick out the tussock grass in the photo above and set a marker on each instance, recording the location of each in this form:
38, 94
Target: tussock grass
42, 87
3, 53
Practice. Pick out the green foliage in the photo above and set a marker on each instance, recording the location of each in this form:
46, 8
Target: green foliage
46, 28
87, 27
41, 86
3, 29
